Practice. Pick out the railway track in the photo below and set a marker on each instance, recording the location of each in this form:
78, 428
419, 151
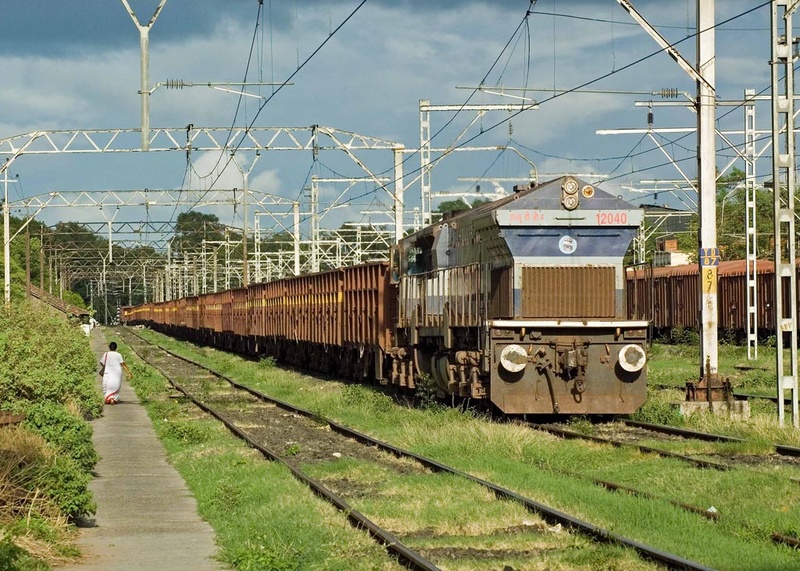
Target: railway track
779, 449
738, 395
634, 432
303, 442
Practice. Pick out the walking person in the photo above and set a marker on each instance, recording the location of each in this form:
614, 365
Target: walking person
113, 365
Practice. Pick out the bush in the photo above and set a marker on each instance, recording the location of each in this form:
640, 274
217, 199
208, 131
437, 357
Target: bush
67, 485
70, 435
9, 554
659, 410
48, 371
186, 432
46, 359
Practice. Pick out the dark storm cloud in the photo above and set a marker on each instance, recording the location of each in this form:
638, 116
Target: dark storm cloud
45, 26
53, 27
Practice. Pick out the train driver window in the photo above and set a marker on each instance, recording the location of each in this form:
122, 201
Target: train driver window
414, 261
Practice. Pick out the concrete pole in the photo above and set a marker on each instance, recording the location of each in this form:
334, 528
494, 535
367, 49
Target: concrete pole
296, 211
706, 168
144, 45
399, 190
314, 224
167, 279
144, 283
144, 90
425, 160
784, 163
245, 179
6, 242
41, 259
28, 260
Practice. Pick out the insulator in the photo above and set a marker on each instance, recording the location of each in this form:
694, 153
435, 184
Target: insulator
175, 84
669, 93
649, 118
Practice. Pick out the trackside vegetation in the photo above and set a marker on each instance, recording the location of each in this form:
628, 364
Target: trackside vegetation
263, 517
47, 373
752, 502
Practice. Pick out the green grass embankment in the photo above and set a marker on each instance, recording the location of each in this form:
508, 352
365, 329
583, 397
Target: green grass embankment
752, 502
47, 372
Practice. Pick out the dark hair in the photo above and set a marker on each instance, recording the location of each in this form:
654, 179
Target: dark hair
112, 346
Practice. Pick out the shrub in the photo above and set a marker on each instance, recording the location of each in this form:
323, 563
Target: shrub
67, 486
70, 435
267, 362
187, 432
366, 398
46, 359
48, 371
427, 392
35, 480
9, 554
685, 336
659, 411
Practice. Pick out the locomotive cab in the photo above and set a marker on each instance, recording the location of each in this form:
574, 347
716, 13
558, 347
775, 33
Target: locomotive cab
522, 302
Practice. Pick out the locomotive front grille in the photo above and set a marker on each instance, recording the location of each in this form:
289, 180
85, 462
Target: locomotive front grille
568, 292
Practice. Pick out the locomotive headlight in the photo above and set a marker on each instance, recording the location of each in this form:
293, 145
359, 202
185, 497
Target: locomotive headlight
569, 194
632, 358
570, 202
513, 358
570, 186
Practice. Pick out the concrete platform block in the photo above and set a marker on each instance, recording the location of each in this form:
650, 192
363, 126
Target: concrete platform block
736, 410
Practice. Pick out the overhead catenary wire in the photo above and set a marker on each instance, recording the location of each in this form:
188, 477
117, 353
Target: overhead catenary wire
576, 88
283, 84
492, 126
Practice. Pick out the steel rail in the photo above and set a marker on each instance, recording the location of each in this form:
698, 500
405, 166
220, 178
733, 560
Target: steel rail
404, 555
780, 449
683, 432
736, 395
564, 433
549, 514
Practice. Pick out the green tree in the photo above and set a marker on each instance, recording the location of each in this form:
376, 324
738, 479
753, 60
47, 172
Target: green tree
192, 227
731, 225
457, 205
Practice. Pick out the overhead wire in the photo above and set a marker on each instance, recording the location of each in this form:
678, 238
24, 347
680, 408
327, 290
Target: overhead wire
513, 114
582, 85
283, 84
189, 169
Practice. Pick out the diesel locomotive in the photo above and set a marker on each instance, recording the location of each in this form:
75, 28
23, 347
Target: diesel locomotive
518, 303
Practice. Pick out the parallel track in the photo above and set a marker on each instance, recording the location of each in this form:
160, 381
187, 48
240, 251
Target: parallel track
779, 449
404, 554
558, 430
571, 434
736, 394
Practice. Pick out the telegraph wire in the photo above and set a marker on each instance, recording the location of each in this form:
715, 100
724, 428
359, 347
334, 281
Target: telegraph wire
280, 87
573, 89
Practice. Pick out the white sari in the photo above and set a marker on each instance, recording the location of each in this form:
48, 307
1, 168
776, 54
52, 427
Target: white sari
112, 376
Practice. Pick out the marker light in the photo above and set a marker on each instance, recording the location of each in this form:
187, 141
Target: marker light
513, 358
632, 358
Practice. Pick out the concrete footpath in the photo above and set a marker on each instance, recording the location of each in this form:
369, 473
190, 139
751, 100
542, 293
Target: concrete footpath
146, 518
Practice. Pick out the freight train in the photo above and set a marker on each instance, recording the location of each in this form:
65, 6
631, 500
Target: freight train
668, 297
517, 304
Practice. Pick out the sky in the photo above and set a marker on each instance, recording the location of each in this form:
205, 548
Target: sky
363, 68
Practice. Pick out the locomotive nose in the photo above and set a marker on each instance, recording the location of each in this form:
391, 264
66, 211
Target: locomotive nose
632, 358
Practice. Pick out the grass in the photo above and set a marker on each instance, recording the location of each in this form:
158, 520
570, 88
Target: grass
263, 517
752, 503
674, 365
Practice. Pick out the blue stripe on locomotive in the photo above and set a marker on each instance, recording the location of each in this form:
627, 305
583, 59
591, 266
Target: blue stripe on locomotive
591, 242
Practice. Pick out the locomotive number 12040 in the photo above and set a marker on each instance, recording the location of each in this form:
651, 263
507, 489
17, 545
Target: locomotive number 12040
611, 218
